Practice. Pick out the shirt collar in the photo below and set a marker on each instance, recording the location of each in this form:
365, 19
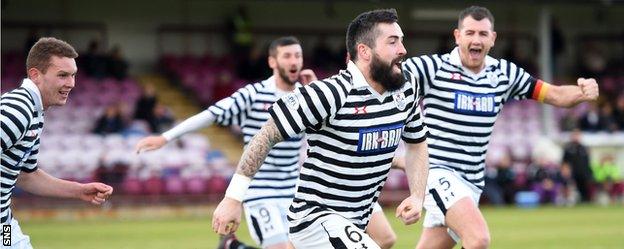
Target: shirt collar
358, 78
456, 60
34, 90
272, 84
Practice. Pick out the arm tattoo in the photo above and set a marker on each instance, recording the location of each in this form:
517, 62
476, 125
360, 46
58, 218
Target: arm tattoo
258, 149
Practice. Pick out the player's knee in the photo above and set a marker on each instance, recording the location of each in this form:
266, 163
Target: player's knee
481, 241
387, 241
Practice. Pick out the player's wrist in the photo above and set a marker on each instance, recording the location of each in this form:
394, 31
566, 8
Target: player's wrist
417, 198
168, 136
238, 186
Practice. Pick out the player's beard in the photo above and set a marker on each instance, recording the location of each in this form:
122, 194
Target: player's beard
284, 75
382, 72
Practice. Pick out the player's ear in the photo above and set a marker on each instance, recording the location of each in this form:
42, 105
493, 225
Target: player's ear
493, 37
456, 34
364, 52
34, 74
272, 62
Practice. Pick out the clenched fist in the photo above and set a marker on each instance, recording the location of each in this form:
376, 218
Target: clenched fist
589, 88
410, 210
227, 216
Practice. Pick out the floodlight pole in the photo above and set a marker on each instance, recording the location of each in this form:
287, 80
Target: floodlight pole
546, 66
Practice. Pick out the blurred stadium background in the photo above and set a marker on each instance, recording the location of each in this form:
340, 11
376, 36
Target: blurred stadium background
145, 65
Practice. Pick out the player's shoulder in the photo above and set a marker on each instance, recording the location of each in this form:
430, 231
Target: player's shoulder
254, 87
342, 80
18, 98
425, 59
507, 66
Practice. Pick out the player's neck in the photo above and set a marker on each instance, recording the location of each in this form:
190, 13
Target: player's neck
283, 85
365, 69
474, 69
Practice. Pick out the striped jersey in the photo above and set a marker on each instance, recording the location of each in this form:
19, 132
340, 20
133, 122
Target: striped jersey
22, 122
460, 107
352, 132
249, 108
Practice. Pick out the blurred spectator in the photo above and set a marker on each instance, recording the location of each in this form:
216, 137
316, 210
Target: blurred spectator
514, 53
608, 178
506, 179
492, 191
111, 122
144, 108
500, 185
93, 62
117, 65
592, 62
239, 34
545, 179
322, 55
618, 113
254, 68
576, 156
569, 121
446, 43
591, 120
569, 195
607, 118
163, 119
112, 175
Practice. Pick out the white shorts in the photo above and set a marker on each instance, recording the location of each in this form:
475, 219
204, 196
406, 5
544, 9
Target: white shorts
19, 240
444, 188
332, 231
267, 221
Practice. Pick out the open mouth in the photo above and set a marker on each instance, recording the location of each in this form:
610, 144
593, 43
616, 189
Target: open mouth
397, 63
475, 52
64, 94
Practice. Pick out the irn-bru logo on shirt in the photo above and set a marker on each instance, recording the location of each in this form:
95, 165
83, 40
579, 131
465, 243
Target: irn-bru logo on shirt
379, 139
474, 103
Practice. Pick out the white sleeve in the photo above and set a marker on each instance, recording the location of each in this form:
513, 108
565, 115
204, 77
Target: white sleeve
193, 123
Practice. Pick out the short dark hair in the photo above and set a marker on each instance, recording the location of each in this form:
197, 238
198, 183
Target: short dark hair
363, 28
280, 42
46, 47
476, 12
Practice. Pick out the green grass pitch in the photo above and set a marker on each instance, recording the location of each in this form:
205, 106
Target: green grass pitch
590, 227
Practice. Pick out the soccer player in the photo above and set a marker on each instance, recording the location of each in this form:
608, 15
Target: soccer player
464, 91
274, 186
353, 123
51, 70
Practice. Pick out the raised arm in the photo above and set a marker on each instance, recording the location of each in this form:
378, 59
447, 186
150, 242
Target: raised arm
227, 215
416, 163
191, 124
569, 96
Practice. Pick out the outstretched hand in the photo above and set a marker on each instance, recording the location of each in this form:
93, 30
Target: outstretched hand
95, 192
150, 143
